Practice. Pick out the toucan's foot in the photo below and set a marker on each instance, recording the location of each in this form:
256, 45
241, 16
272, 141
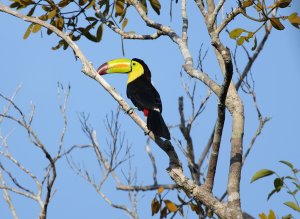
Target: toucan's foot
130, 111
147, 133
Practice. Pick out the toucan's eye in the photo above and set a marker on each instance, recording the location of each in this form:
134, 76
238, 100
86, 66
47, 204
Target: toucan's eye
133, 63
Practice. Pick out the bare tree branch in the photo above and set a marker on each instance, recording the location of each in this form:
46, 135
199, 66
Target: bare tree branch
152, 158
147, 188
7, 197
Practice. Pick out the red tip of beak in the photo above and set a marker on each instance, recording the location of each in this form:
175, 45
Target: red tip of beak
102, 70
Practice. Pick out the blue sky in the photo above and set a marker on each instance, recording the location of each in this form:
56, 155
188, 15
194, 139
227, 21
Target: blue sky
33, 65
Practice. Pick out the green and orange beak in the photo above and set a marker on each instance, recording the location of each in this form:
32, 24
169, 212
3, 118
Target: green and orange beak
122, 65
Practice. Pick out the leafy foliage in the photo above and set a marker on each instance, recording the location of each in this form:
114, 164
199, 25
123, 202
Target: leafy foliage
289, 183
87, 20
265, 14
167, 208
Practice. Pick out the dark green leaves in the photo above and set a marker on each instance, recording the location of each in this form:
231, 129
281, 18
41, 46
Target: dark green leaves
288, 183
291, 166
94, 38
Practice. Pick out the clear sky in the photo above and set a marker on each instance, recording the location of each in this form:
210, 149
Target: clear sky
33, 65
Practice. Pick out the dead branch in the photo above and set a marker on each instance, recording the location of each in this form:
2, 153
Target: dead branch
41, 197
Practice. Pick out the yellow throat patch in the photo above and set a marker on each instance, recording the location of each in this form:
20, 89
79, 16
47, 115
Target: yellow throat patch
136, 71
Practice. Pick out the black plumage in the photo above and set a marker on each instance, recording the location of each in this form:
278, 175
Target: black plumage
145, 97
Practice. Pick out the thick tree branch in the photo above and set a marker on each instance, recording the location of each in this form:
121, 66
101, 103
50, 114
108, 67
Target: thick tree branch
189, 151
228, 19
184, 22
201, 7
220, 122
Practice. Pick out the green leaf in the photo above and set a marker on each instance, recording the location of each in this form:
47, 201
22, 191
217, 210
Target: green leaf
291, 178
27, 32
60, 44
297, 185
294, 19
52, 14
43, 17
82, 2
91, 4
293, 192
63, 3
283, 3
90, 36
271, 215
255, 44
288, 164
293, 206
25, 3
99, 33
66, 45
276, 23
171, 206
15, 5
263, 216
241, 40
124, 23
261, 173
91, 19
30, 13
36, 28
247, 3
235, 33
195, 208
278, 183
271, 193
60, 23
155, 206
156, 6
289, 216
46, 8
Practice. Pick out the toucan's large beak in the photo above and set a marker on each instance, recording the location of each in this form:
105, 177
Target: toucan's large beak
115, 66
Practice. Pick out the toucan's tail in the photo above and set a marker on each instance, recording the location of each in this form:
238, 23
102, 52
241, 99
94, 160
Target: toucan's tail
157, 125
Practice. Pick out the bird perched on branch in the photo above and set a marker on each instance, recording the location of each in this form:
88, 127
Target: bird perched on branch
140, 91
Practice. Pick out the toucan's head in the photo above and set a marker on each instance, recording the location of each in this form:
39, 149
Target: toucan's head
133, 67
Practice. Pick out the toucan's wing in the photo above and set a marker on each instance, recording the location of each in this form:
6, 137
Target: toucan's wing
143, 95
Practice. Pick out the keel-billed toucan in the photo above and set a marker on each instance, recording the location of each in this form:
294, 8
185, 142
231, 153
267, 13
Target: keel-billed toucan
140, 91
